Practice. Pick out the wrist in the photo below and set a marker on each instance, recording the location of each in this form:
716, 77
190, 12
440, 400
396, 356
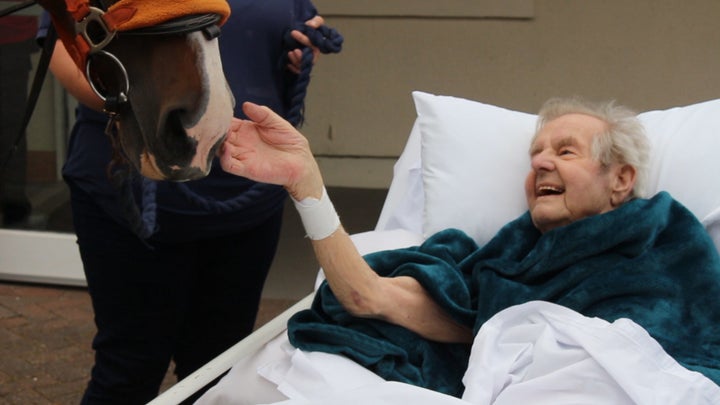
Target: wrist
318, 215
307, 185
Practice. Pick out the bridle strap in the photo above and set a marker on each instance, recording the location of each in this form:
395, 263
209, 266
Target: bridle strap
208, 23
96, 26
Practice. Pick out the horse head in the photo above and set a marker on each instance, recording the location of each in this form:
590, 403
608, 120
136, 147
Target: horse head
157, 66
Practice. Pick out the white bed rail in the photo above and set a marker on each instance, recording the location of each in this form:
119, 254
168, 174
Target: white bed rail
223, 362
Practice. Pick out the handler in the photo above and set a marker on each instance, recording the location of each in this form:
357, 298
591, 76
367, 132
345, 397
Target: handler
588, 242
172, 296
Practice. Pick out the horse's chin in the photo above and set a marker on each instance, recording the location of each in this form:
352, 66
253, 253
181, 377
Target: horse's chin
149, 168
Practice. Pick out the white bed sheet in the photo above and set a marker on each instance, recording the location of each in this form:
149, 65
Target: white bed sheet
537, 352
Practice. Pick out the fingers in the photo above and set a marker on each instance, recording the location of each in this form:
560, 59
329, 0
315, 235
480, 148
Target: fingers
239, 145
265, 117
228, 162
315, 22
300, 37
235, 123
316, 54
268, 149
257, 113
295, 55
295, 58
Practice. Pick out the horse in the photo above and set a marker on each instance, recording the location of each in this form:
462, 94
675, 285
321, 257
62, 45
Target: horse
156, 64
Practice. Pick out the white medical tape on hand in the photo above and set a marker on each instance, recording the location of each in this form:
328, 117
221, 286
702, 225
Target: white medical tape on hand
318, 216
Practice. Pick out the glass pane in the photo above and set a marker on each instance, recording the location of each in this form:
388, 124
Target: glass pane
32, 193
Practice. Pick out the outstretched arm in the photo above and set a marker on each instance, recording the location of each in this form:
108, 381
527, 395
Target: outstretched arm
72, 79
268, 149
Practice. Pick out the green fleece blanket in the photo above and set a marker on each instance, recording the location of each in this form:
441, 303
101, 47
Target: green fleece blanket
649, 260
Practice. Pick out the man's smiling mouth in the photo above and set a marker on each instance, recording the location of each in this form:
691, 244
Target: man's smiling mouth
543, 191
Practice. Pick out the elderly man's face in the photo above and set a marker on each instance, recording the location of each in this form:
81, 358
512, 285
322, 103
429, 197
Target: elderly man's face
565, 183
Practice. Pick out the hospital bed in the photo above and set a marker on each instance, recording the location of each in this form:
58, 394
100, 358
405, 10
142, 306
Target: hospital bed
463, 166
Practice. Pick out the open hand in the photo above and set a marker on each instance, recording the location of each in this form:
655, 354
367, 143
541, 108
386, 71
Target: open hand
268, 149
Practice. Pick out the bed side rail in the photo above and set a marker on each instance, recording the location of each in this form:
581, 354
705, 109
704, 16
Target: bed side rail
223, 362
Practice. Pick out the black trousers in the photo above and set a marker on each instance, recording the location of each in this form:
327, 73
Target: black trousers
186, 302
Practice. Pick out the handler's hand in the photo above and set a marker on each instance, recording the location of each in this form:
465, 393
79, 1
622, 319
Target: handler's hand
295, 56
268, 149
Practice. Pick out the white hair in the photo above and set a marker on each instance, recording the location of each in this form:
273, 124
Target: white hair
624, 142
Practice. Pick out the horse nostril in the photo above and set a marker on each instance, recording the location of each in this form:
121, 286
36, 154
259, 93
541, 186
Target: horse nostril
179, 148
174, 121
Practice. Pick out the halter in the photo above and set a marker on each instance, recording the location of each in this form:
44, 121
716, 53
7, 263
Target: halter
96, 25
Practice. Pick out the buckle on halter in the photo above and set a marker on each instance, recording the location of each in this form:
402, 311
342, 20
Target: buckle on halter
95, 30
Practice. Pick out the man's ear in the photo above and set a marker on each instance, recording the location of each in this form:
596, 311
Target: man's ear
623, 183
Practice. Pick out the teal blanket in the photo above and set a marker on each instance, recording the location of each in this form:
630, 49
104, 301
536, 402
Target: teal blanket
649, 260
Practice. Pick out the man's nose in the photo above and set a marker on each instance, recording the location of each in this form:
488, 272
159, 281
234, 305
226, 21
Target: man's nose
542, 161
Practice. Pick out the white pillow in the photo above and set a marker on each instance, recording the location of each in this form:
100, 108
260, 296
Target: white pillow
475, 160
474, 163
684, 157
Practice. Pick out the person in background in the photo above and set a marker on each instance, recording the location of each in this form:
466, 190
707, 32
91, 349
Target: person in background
192, 289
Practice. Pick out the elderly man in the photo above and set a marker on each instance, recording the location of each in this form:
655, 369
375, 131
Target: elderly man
587, 243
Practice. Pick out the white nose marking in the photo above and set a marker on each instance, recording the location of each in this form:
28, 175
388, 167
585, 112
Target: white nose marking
215, 121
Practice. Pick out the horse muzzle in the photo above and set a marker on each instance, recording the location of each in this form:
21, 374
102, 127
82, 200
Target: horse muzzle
176, 118
169, 101
163, 165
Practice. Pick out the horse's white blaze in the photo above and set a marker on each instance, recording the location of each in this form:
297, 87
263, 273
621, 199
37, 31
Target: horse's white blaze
215, 122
